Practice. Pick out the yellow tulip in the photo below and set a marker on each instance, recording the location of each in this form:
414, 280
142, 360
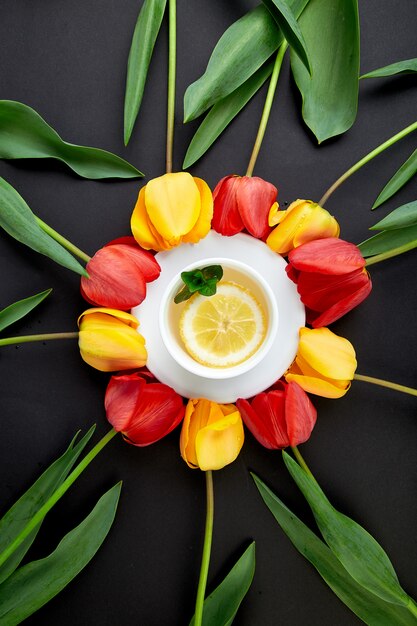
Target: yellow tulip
325, 363
212, 434
109, 340
303, 221
170, 210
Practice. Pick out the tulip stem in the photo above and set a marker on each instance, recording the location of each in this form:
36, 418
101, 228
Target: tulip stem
64, 242
9, 341
366, 159
267, 107
385, 383
391, 253
205, 561
38, 517
301, 461
172, 50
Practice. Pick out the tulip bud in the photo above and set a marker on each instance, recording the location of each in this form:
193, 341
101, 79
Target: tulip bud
118, 274
281, 417
212, 434
170, 210
303, 221
325, 363
109, 341
331, 278
141, 408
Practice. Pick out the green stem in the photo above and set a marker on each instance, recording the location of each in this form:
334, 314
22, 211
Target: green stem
9, 341
267, 107
385, 383
391, 253
366, 159
301, 461
205, 560
412, 606
38, 517
172, 50
64, 242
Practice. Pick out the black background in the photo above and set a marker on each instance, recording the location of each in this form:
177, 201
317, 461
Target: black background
67, 60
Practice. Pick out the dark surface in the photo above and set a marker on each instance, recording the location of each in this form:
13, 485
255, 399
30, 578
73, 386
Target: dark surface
67, 60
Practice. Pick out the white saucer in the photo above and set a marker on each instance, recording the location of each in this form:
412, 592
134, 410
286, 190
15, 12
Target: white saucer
271, 266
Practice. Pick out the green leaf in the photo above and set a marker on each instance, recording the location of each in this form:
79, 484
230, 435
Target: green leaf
286, 20
352, 545
18, 220
143, 42
34, 584
222, 113
409, 66
202, 280
405, 215
330, 95
13, 522
19, 309
24, 134
400, 178
239, 53
389, 240
367, 606
221, 606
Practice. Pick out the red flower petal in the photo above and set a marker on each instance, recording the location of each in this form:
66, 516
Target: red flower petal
144, 260
319, 292
265, 418
255, 197
341, 307
121, 397
300, 414
327, 256
226, 218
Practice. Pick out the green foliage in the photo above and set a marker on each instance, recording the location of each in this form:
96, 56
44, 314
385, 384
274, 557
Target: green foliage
19, 309
287, 21
400, 178
409, 66
24, 134
202, 280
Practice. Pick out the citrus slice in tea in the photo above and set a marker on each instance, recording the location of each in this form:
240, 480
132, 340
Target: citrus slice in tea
225, 329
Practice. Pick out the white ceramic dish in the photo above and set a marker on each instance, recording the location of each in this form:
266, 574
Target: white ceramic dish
244, 250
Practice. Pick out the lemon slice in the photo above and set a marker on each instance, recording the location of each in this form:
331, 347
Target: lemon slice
225, 329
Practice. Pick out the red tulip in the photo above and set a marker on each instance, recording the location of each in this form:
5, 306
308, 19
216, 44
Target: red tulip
143, 410
243, 202
118, 274
331, 278
281, 417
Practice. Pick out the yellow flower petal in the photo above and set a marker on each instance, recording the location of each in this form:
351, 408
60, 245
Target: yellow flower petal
142, 228
203, 224
330, 355
317, 225
173, 205
109, 349
220, 442
275, 216
318, 386
106, 316
281, 238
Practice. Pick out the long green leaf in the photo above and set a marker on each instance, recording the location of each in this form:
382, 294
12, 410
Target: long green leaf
239, 53
400, 178
355, 548
409, 66
287, 21
405, 215
221, 606
330, 95
19, 309
18, 220
367, 606
389, 240
34, 584
222, 113
31, 501
24, 134
143, 42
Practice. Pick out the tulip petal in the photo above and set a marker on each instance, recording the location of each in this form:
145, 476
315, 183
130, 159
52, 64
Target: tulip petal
144, 260
300, 414
318, 225
142, 228
173, 205
255, 197
328, 354
327, 256
111, 349
220, 442
275, 216
203, 224
318, 386
281, 240
121, 398
343, 306
196, 416
226, 216
126, 318
265, 418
